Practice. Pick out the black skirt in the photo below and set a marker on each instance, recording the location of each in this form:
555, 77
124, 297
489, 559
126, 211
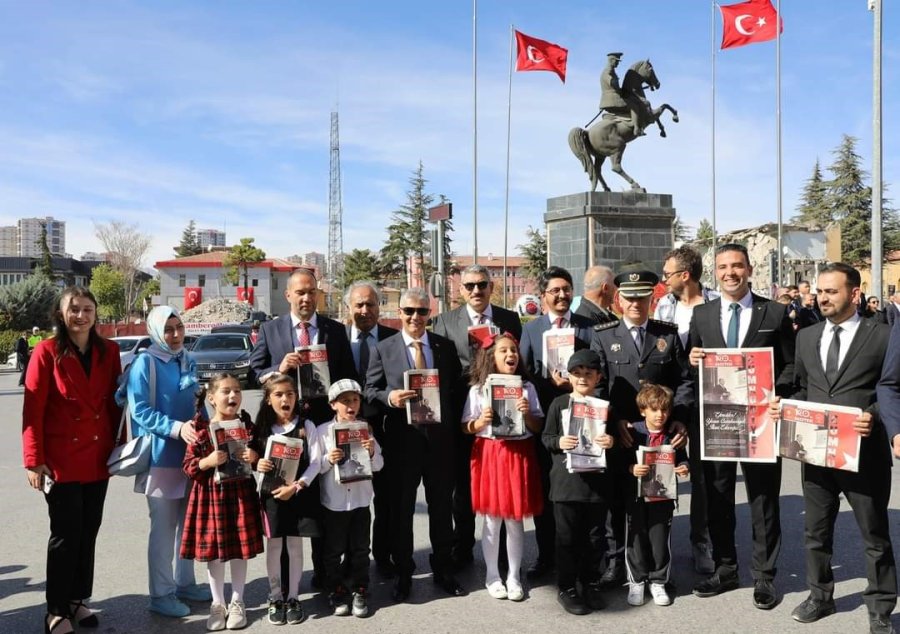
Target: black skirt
297, 517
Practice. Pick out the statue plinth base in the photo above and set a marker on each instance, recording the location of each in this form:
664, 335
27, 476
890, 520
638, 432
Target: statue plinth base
608, 228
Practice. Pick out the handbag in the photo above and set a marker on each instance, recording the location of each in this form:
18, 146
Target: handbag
133, 458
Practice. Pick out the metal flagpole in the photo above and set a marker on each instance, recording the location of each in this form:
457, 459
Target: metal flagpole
781, 279
712, 47
506, 203
474, 131
877, 187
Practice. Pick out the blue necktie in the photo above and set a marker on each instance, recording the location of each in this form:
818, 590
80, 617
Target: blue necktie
734, 326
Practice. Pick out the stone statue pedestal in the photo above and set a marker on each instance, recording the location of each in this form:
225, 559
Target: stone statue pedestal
608, 228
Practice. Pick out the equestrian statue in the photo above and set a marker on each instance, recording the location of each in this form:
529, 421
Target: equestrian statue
626, 113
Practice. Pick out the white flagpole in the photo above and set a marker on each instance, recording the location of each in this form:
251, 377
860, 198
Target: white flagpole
877, 256
506, 203
712, 49
474, 131
781, 278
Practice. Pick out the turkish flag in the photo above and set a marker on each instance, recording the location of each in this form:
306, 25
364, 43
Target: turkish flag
748, 23
245, 294
535, 54
193, 295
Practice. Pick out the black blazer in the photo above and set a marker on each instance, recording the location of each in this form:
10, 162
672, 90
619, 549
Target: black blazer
856, 381
373, 412
770, 327
387, 365
595, 313
454, 325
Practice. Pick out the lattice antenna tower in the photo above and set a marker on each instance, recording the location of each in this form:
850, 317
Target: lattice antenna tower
335, 213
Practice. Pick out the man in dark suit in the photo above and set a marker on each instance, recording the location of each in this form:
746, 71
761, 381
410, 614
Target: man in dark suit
274, 350
555, 288
740, 319
417, 453
22, 354
363, 301
634, 351
892, 309
839, 362
599, 291
476, 290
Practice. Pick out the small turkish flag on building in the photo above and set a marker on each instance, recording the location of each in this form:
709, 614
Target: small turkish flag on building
245, 294
535, 54
193, 295
748, 23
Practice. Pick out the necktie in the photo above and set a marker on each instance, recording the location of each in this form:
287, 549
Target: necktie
363, 339
419, 356
303, 334
734, 326
637, 333
833, 356
480, 321
560, 322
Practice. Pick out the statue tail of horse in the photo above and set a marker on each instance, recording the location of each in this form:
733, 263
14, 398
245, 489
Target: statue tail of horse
579, 144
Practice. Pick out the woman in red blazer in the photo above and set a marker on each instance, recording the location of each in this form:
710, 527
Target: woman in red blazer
68, 431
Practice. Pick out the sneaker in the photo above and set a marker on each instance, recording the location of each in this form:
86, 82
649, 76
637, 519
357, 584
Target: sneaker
169, 605
497, 590
614, 575
277, 614
198, 592
636, 593
237, 618
660, 594
217, 617
294, 612
340, 602
360, 603
514, 590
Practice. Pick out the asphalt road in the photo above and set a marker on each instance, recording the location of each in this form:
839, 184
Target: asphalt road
121, 573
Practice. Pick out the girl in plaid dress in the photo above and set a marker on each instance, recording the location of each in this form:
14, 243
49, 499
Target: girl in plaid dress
223, 519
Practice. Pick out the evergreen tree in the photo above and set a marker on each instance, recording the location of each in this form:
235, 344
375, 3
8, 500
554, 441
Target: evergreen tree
705, 233
190, 244
682, 231
535, 253
359, 264
239, 259
46, 264
814, 209
409, 235
28, 303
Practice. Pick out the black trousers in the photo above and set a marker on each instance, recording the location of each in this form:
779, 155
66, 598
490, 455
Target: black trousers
868, 494
576, 557
545, 523
381, 526
76, 512
463, 516
428, 459
699, 527
763, 484
648, 552
614, 528
346, 535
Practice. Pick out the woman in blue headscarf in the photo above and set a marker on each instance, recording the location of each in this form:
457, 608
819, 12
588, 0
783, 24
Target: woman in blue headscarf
161, 384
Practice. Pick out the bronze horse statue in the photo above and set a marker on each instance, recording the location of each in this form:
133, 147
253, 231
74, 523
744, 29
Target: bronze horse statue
614, 131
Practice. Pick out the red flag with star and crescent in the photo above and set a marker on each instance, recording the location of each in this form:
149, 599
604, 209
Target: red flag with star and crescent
748, 23
535, 54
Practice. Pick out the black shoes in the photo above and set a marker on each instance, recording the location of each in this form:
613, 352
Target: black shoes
764, 594
593, 596
811, 610
572, 602
386, 568
401, 589
614, 575
715, 585
449, 584
539, 569
880, 625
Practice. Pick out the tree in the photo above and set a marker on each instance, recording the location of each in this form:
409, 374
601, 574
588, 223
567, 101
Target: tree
682, 231
359, 264
408, 236
126, 247
535, 252
46, 265
814, 209
108, 286
150, 289
705, 233
239, 259
28, 303
189, 244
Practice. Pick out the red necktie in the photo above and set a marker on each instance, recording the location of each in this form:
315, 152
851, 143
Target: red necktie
560, 321
303, 335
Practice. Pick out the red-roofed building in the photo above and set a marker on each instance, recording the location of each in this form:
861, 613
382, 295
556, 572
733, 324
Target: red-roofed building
517, 282
206, 271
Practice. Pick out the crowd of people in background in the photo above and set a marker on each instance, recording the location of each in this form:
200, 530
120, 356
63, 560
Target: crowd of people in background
594, 536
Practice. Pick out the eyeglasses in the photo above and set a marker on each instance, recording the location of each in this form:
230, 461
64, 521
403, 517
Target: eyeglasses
409, 311
559, 290
470, 286
666, 276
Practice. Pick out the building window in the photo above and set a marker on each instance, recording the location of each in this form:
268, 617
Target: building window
201, 280
182, 280
254, 282
275, 283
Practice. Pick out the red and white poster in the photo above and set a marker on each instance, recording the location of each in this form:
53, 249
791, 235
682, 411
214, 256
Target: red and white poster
736, 386
820, 434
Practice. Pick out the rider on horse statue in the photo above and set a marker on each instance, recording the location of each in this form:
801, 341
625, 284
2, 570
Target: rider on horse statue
617, 102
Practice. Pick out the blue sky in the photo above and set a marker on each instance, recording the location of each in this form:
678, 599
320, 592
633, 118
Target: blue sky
158, 112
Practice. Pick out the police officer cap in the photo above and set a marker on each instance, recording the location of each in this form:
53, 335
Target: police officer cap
636, 283
616, 55
585, 358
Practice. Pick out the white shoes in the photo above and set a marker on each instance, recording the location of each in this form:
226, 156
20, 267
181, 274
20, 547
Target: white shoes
660, 594
636, 593
217, 617
514, 590
497, 590
237, 619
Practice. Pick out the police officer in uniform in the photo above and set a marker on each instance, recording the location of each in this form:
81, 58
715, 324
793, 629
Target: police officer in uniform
636, 350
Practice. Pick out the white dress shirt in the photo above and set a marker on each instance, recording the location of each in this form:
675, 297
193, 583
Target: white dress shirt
634, 333
349, 495
474, 316
567, 319
312, 327
355, 343
848, 331
745, 316
411, 349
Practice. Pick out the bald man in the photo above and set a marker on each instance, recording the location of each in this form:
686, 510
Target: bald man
597, 298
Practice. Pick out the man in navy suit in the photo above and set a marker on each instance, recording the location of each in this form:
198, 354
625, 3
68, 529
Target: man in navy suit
740, 319
555, 288
418, 453
476, 290
274, 350
839, 362
363, 301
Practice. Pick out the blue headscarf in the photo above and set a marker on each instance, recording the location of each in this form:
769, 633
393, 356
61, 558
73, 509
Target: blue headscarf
156, 326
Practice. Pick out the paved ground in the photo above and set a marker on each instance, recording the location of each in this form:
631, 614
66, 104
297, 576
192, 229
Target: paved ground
121, 574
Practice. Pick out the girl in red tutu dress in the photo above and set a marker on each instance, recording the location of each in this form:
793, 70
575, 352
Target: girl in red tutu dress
506, 484
223, 520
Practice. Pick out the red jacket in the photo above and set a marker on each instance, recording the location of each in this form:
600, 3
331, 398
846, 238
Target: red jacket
69, 419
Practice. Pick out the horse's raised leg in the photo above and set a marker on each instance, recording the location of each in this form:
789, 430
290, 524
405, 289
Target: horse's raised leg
617, 168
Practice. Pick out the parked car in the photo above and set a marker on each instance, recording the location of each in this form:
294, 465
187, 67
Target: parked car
244, 329
189, 341
130, 347
223, 352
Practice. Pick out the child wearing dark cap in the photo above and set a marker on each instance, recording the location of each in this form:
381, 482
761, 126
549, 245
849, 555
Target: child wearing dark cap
580, 499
